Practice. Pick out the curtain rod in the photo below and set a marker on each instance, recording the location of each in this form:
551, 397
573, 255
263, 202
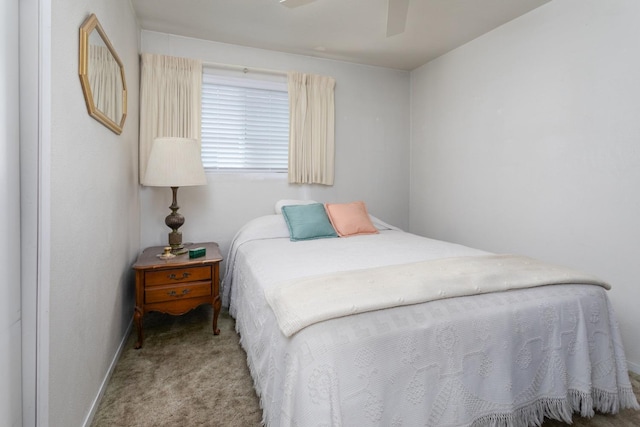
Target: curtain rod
243, 68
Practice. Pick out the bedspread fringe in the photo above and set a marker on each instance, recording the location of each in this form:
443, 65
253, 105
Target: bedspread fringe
611, 403
579, 402
531, 415
254, 374
627, 398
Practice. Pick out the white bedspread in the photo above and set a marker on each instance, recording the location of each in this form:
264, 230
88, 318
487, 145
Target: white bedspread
501, 359
302, 302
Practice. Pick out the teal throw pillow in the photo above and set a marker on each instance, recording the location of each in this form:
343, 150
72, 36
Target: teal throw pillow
308, 222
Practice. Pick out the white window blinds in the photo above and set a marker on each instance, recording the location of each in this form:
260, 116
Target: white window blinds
245, 124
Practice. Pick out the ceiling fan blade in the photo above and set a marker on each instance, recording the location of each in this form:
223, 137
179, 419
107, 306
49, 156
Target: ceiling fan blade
295, 3
396, 16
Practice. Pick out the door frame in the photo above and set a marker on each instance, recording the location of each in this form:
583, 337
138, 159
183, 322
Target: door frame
35, 202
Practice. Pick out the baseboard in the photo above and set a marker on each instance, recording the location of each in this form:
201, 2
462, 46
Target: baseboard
633, 367
96, 402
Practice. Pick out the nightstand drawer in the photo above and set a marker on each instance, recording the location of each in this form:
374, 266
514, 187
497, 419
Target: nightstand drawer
172, 292
191, 274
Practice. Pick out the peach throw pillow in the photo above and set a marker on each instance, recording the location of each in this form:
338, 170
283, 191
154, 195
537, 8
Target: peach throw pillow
350, 219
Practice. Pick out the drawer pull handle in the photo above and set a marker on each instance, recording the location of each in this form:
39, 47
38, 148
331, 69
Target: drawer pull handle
173, 276
175, 294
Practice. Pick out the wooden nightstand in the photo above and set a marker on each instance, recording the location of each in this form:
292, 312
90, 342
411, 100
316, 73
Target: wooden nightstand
177, 285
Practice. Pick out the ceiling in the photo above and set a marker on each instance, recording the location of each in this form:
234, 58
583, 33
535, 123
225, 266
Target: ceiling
347, 30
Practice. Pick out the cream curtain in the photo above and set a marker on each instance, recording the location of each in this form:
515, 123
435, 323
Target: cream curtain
170, 92
105, 81
311, 128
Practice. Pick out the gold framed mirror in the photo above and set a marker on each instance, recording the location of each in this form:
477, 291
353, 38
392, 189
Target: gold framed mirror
102, 76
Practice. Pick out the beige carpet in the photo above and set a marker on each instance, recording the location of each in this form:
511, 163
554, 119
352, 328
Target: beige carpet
182, 376
185, 376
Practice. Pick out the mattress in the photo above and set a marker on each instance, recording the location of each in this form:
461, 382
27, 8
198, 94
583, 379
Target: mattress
500, 358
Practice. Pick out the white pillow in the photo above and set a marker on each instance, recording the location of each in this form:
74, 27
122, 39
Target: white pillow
287, 202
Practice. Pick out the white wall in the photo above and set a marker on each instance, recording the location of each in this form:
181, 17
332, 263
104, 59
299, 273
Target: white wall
372, 148
526, 140
94, 215
10, 316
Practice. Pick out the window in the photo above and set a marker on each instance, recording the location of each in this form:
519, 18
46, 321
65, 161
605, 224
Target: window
245, 124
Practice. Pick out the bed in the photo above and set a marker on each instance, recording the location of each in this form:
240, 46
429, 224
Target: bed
508, 357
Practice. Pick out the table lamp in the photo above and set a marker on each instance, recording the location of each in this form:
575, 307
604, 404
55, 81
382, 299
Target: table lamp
175, 162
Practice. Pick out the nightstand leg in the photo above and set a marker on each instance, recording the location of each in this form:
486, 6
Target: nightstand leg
137, 319
217, 303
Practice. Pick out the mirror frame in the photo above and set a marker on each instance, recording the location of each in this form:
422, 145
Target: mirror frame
89, 25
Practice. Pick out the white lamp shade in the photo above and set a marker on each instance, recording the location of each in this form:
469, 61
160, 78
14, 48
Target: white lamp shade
174, 162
